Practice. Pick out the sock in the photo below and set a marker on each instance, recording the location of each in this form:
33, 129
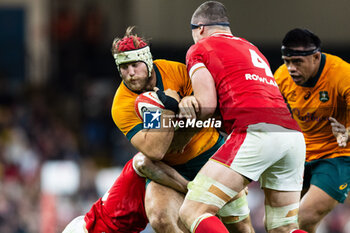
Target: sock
209, 224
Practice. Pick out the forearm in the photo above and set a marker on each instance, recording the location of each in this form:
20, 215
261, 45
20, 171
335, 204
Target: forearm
160, 173
168, 176
205, 92
207, 108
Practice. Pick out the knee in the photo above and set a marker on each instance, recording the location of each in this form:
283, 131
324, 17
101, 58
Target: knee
160, 220
313, 213
184, 214
308, 219
235, 211
242, 226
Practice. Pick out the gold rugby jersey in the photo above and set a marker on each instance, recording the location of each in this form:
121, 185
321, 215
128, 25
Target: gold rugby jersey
326, 95
171, 75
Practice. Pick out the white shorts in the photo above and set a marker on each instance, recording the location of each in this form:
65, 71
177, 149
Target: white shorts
269, 153
77, 225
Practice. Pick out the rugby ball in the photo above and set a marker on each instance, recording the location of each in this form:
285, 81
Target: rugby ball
147, 101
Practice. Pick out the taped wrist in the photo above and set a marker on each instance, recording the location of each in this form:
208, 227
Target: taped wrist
169, 102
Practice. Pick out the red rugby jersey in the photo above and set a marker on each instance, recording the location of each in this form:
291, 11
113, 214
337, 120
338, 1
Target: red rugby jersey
246, 89
122, 209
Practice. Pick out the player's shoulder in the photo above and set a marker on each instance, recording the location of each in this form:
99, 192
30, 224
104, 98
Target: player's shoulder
123, 113
338, 69
124, 92
196, 47
336, 62
281, 73
123, 98
168, 68
333, 58
164, 62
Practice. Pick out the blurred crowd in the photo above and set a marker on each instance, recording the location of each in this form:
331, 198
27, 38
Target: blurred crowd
41, 125
69, 118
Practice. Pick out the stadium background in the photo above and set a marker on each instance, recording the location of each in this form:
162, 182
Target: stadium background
57, 81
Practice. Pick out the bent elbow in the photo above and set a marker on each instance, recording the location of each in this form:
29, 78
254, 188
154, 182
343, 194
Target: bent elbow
156, 154
151, 153
141, 162
207, 113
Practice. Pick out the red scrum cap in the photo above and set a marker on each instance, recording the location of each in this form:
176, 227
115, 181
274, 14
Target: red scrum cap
130, 43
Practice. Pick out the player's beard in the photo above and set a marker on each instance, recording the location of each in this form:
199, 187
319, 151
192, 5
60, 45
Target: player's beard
148, 85
138, 85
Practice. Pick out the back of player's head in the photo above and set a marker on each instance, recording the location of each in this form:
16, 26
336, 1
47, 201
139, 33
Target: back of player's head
131, 48
301, 38
210, 12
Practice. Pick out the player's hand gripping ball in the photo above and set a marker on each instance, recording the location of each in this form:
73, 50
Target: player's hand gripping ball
147, 101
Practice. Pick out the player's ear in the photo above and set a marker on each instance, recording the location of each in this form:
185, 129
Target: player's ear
317, 56
201, 30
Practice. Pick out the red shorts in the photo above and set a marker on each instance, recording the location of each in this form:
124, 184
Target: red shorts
121, 209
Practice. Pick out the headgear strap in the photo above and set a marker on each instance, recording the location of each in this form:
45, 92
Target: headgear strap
292, 52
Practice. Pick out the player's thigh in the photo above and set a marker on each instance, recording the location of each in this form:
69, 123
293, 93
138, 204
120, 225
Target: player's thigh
160, 199
254, 150
286, 174
224, 175
212, 188
316, 203
330, 175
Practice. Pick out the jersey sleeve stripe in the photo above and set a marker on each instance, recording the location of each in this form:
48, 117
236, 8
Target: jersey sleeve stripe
195, 68
134, 131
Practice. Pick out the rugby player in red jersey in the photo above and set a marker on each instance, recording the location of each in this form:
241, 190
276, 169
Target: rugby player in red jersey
264, 143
